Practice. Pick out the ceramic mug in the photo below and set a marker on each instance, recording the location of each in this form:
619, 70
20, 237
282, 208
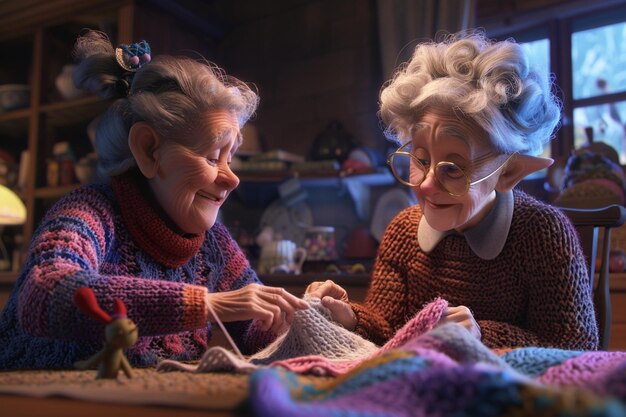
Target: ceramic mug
281, 256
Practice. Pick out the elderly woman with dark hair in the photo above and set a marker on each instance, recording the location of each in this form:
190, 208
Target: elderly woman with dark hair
470, 115
149, 235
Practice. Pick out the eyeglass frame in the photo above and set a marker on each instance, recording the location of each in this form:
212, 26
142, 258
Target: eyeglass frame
469, 183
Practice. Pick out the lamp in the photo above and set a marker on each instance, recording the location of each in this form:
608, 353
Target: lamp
12, 212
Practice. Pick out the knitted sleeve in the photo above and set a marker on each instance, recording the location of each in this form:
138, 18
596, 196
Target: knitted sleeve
560, 310
75, 242
237, 273
384, 308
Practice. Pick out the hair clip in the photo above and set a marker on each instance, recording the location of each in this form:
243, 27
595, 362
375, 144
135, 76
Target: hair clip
134, 56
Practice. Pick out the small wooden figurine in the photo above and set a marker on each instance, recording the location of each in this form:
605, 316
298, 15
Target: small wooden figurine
120, 333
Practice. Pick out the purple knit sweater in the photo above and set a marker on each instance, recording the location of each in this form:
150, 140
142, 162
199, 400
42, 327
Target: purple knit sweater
89, 239
535, 293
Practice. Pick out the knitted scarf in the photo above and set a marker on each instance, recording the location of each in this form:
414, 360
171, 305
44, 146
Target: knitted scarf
148, 225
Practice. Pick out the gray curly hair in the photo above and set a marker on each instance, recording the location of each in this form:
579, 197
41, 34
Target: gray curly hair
170, 93
490, 82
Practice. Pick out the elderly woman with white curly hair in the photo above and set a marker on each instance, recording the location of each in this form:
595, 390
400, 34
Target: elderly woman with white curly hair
470, 116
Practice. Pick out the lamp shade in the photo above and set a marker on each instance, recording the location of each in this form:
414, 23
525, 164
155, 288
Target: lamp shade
12, 209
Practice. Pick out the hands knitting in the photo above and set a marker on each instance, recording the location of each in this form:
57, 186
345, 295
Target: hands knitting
462, 315
273, 307
334, 298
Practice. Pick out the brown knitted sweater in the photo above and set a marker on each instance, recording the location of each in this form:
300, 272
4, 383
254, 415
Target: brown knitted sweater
535, 293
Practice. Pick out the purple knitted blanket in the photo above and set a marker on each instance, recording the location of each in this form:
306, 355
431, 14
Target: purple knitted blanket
447, 372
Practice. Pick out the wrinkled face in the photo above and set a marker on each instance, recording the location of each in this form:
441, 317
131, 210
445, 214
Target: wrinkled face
442, 137
191, 185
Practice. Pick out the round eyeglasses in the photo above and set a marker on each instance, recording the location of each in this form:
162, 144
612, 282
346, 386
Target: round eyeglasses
410, 171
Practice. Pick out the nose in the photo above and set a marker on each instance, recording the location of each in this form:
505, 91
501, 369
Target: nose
430, 185
227, 178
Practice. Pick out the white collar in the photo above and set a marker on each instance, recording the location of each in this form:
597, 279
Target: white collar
495, 225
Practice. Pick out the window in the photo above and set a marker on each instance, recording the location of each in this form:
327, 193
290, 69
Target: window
599, 72
586, 52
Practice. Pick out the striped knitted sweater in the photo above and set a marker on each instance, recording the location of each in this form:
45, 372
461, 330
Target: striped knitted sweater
535, 293
111, 239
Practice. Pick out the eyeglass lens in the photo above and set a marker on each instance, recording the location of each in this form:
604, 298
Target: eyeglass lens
410, 171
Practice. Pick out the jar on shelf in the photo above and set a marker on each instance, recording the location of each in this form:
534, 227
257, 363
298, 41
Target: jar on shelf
319, 242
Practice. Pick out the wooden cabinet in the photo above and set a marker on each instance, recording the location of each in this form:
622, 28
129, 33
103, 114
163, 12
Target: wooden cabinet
36, 40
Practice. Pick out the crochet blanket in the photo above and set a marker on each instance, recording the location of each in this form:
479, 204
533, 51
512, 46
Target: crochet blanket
425, 370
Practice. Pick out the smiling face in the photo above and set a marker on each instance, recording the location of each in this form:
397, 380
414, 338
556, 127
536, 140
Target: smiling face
442, 137
191, 185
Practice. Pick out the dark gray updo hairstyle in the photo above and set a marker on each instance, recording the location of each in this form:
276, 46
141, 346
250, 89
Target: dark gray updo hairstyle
490, 82
170, 93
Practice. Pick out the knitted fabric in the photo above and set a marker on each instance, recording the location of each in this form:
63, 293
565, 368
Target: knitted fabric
314, 344
147, 227
421, 379
600, 372
535, 293
313, 333
84, 241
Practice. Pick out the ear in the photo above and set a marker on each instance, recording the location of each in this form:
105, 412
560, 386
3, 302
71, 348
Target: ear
144, 144
519, 167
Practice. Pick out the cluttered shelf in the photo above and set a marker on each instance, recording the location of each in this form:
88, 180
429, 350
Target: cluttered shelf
373, 176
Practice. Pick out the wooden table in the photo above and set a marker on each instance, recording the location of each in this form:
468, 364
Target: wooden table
150, 393
18, 406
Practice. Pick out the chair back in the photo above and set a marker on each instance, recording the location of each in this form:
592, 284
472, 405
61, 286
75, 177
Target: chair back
588, 223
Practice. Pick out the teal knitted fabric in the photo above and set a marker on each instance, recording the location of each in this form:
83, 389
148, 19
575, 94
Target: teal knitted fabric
534, 361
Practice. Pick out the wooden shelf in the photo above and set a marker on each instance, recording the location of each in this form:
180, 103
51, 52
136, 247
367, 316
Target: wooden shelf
14, 123
54, 192
41, 38
8, 277
67, 113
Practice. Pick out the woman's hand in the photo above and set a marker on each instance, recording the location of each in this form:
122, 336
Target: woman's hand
273, 307
462, 315
335, 299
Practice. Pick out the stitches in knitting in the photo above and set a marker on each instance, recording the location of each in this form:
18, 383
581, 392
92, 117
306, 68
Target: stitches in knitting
420, 380
313, 343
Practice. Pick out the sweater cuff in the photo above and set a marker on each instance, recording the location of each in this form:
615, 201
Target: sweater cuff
194, 307
358, 312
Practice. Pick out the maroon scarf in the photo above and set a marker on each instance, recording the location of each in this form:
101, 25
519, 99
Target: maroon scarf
148, 224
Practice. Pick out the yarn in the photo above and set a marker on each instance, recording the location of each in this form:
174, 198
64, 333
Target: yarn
314, 344
313, 333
